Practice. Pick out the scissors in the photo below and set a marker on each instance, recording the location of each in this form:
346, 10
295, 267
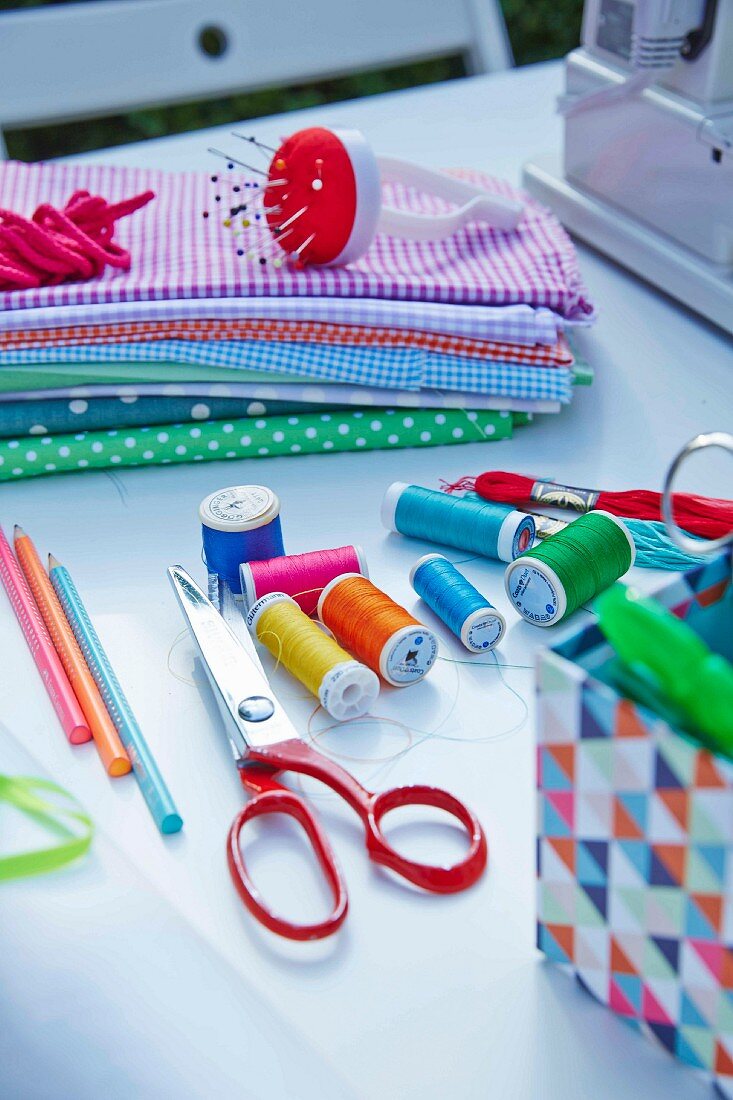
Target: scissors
264, 742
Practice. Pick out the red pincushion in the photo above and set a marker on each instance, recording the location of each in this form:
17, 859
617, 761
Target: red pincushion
313, 155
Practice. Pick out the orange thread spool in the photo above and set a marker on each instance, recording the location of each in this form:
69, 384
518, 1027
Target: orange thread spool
376, 630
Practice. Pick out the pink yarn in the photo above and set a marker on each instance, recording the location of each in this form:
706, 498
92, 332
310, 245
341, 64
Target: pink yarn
59, 246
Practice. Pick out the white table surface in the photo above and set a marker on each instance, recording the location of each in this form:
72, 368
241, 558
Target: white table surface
419, 996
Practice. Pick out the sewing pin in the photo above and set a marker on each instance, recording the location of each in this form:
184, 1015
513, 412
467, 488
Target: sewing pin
233, 160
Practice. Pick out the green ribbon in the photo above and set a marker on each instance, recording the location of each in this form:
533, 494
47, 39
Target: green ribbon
69, 822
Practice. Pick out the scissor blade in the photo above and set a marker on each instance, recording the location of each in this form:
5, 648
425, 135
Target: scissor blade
231, 610
251, 712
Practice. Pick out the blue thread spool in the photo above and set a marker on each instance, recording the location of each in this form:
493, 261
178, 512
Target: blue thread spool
467, 523
455, 601
238, 524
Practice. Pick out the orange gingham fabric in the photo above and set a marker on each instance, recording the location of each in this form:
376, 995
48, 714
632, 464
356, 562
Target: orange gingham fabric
315, 332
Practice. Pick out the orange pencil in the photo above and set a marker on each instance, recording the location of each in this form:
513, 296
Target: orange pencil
110, 748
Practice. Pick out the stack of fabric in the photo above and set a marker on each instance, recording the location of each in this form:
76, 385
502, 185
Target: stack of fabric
199, 352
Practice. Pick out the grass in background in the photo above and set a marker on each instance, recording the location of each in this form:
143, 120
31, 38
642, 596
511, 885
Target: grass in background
538, 29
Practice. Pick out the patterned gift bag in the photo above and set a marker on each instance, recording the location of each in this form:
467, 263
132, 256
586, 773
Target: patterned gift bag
635, 843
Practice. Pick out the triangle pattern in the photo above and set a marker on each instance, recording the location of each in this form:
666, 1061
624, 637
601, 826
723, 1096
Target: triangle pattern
552, 822
704, 913
620, 962
638, 854
689, 1013
695, 1046
672, 858
624, 824
563, 803
563, 935
678, 804
564, 757
636, 805
712, 954
665, 1034
726, 976
598, 713
599, 896
652, 1010
669, 949
632, 989
618, 1001
723, 1060
706, 772
590, 870
628, 722
686, 1053
711, 595
664, 775
565, 849
714, 856
551, 776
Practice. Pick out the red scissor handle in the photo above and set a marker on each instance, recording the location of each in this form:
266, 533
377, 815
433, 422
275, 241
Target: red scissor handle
271, 797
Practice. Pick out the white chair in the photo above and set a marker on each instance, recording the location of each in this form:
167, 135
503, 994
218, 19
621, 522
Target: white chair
77, 60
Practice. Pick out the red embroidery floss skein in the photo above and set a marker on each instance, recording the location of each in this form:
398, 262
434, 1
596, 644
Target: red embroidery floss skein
708, 517
302, 576
380, 633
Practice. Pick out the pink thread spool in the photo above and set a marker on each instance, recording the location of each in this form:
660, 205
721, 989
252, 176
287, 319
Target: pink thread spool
301, 576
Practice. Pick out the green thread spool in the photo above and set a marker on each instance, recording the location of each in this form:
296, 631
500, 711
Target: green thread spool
547, 584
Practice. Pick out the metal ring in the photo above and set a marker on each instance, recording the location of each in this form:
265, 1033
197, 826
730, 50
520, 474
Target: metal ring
693, 546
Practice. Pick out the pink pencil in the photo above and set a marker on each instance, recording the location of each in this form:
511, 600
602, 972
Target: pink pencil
39, 642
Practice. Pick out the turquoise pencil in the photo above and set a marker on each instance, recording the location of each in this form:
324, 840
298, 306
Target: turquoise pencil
151, 782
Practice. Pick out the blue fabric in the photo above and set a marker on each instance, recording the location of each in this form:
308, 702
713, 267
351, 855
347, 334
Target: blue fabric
396, 368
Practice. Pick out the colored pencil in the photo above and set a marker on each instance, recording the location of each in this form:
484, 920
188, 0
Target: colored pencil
110, 748
152, 785
39, 642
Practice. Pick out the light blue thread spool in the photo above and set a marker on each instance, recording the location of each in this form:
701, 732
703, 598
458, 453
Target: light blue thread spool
238, 524
455, 601
467, 523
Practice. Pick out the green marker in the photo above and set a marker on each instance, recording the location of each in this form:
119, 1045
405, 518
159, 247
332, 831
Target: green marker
669, 656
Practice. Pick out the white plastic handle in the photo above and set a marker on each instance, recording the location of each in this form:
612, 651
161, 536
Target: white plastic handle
477, 205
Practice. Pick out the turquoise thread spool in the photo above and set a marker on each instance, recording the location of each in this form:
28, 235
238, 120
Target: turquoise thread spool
238, 524
467, 523
456, 602
550, 582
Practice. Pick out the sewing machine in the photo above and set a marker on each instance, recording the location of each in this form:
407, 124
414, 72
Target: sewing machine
647, 170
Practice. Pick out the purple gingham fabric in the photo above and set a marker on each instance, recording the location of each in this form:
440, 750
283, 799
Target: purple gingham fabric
178, 254
508, 324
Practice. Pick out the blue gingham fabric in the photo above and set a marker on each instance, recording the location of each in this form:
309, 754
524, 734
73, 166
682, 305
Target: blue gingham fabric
392, 368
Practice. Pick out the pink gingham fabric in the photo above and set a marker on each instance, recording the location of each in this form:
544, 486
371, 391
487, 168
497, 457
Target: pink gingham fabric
178, 254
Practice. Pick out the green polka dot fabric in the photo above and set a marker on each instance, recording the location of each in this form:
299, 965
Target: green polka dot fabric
248, 437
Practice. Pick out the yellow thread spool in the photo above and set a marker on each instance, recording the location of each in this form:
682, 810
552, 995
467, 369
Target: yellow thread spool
344, 687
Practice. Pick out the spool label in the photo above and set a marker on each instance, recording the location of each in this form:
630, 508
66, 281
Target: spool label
546, 526
564, 496
242, 504
534, 595
254, 611
484, 633
411, 656
523, 536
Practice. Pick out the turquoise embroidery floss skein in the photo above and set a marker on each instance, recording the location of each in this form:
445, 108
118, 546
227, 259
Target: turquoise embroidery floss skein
467, 523
455, 601
568, 569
